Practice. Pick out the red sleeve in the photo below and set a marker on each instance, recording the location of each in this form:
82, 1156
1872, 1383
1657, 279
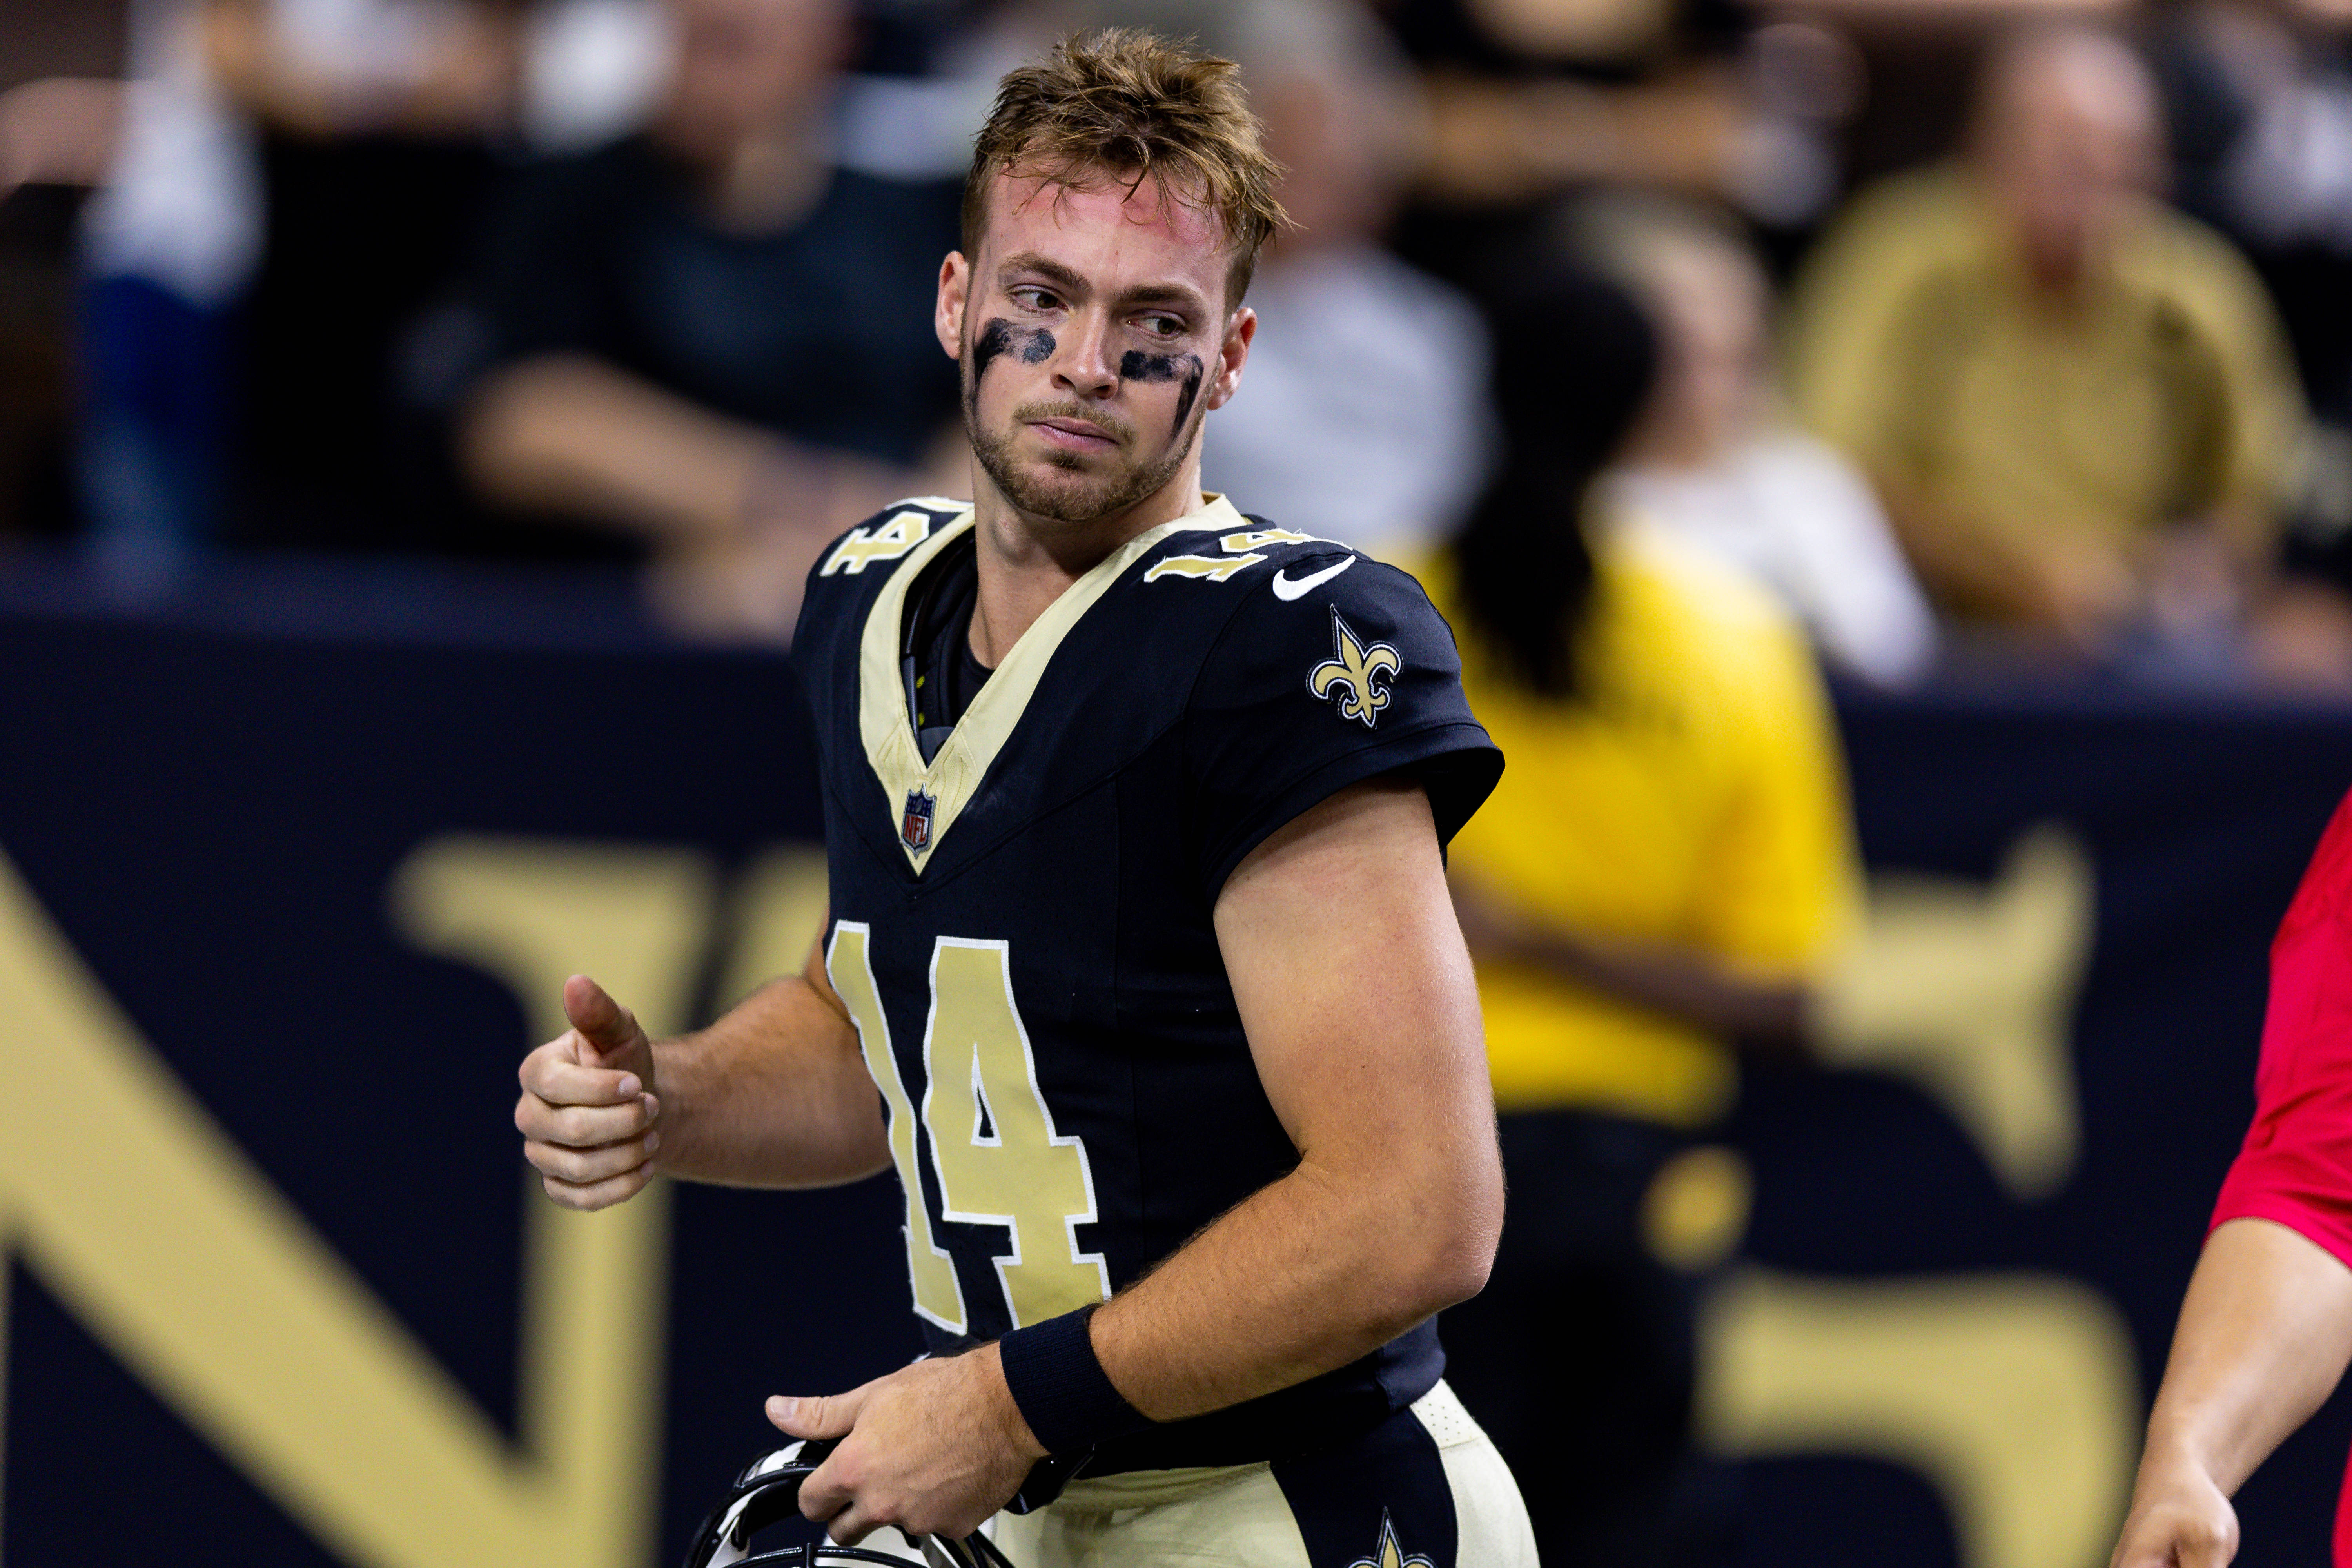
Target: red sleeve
2296, 1167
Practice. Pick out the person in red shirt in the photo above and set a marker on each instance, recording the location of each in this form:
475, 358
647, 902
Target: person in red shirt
2265, 1331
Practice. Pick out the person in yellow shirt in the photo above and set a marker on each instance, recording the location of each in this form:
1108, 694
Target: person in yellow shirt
1659, 880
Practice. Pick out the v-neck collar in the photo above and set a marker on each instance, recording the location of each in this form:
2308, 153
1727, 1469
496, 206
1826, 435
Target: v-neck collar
953, 775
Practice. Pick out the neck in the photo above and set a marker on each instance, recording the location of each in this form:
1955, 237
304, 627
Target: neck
1027, 562
763, 181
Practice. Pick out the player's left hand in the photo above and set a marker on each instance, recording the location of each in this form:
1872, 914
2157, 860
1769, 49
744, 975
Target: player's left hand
934, 1448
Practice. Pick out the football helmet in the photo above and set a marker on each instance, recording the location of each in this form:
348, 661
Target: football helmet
769, 1492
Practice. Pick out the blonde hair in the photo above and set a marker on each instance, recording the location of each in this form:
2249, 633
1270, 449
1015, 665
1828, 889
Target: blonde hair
1122, 106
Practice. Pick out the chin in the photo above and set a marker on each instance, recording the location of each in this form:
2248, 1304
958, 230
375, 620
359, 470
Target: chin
1053, 482
1072, 488
1065, 497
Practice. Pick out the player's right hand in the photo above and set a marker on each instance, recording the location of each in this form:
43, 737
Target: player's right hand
588, 1105
2178, 1519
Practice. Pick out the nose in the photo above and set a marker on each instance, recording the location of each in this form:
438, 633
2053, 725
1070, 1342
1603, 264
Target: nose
1084, 365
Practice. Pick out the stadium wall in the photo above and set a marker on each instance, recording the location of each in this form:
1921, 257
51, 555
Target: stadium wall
288, 885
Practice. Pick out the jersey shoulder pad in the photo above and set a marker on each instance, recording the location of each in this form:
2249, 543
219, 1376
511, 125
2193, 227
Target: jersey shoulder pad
852, 567
888, 536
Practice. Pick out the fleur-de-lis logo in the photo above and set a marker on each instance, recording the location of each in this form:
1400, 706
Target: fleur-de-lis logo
1354, 671
1388, 1554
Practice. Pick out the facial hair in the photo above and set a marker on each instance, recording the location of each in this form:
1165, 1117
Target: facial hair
1104, 494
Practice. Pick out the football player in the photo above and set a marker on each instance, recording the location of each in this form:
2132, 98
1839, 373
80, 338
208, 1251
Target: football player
1140, 968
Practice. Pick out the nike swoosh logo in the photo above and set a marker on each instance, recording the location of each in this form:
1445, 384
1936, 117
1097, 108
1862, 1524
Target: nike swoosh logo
1285, 589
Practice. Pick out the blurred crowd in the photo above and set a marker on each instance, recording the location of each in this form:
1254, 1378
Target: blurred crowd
1983, 338
1687, 349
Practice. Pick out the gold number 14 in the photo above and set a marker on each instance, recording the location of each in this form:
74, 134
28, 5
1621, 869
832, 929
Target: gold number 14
993, 1145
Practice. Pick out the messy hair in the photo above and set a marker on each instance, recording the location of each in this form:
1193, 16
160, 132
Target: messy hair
1120, 106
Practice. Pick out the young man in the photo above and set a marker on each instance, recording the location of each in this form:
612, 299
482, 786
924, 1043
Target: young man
1134, 810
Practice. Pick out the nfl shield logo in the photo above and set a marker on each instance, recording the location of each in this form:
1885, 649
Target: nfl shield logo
915, 826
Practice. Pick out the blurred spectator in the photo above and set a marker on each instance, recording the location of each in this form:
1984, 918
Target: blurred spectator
286, 202
1364, 368
2259, 102
2076, 404
170, 245
1712, 464
1661, 876
377, 121
57, 136
713, 337
2259, 107
345, 68
1530, 97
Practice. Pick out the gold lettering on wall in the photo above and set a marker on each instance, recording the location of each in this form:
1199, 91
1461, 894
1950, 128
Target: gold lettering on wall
1968, 989
2017, 1394
779, 910
533, 913
152, 1228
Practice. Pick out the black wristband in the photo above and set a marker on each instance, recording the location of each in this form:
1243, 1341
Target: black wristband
1070, 1402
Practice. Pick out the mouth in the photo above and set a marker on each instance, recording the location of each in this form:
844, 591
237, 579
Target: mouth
1074, 435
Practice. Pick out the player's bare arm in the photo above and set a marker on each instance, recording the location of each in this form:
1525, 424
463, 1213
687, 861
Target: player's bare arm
774, 1094
2264, 1335
1363, 1018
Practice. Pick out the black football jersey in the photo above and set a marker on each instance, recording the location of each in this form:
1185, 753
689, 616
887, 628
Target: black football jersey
1020, 926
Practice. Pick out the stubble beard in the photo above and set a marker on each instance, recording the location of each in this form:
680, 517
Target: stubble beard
1107, 494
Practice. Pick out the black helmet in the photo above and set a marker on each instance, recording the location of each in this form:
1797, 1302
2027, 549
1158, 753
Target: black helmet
769, 1492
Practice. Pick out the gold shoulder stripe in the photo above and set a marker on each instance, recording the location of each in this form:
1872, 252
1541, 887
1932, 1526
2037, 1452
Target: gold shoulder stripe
1216, 568
955, 771
1259, 538
885, 541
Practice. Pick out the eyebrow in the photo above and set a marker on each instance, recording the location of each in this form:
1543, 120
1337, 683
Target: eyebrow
1069, 282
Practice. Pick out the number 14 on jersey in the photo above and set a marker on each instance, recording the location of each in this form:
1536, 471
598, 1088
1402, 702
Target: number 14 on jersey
993, 1145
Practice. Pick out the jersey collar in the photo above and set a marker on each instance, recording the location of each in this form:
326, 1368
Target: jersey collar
954, 774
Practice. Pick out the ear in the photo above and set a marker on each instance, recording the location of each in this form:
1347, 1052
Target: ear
947, 314
1232, 354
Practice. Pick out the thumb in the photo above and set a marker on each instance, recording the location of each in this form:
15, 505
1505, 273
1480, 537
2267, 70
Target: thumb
603, 1025
827, 1416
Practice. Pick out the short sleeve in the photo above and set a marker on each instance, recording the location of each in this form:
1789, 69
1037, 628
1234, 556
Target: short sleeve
2296, 1167
1355, 677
